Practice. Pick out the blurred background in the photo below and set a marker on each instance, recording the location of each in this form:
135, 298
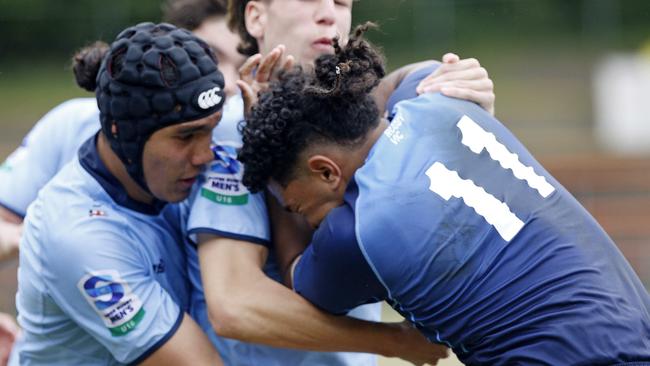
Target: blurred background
572, 80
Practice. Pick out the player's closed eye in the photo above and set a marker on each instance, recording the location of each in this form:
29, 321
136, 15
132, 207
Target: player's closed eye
185, 136
346, 3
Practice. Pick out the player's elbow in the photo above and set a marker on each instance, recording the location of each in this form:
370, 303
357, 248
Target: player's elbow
227, 319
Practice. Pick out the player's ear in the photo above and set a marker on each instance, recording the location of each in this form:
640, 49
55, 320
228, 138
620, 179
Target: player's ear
325, 170
255, 16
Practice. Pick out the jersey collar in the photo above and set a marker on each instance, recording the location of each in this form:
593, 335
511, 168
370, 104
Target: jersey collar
91, 162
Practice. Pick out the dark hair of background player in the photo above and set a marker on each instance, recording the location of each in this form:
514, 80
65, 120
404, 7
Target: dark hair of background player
237, 23
188, 14
331, 104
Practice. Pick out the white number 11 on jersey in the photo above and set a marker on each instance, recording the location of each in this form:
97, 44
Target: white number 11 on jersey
447, 183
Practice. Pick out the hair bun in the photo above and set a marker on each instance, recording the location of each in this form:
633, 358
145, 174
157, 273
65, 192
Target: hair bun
86, 62
353, 70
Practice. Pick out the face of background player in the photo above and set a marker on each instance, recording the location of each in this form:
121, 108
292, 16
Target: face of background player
174, 156
214, 31
305, 27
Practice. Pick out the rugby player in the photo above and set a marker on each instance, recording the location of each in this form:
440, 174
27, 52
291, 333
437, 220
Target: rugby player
444, 215
231, 225
71, 123
102, 276
204, 17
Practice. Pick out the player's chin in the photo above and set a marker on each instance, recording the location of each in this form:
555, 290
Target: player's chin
314, 221
176, 195
317, 217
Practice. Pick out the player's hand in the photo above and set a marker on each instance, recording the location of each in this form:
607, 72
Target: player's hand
258, 71
417, 349
9, 238
463, 79
9, 332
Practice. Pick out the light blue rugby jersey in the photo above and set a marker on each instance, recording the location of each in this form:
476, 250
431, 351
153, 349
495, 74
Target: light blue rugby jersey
468, 237
102, 278
51, 143
221, 204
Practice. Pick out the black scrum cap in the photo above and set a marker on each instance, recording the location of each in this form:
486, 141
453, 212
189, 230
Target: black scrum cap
154, 76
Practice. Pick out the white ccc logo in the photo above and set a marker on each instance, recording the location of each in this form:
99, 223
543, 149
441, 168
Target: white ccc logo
210, 98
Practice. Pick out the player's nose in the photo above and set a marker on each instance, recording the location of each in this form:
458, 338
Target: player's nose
325, 14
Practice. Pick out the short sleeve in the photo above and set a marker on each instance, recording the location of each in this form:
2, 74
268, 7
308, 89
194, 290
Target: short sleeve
102, 280
222, 205
332, 273
45, 149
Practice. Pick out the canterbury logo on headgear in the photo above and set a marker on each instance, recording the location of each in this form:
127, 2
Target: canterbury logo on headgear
210, 98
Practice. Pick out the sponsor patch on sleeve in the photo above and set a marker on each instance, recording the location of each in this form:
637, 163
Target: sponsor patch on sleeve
119, 308
223, 177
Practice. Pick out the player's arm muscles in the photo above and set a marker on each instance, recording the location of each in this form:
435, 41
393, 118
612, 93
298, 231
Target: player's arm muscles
245, 304
10, 231
188, 346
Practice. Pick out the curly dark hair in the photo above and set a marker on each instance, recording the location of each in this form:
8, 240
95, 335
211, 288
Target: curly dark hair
331, 104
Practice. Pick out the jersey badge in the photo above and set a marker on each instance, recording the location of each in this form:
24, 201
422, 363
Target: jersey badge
96, 211
119, 308
393, 131
222, 183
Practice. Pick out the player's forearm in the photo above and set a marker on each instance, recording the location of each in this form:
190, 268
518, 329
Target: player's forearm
391, 81
269, 313
187, 346
10, 217
243, 303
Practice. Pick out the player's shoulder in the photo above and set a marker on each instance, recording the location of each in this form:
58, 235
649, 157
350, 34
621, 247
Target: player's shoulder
433, 116
437, 105
88, 208
88, 229
76, 109
407, 88
81, 115
79, 104
71, 117
337, 233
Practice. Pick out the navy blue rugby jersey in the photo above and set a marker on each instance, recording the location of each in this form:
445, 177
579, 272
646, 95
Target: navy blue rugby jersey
454, 223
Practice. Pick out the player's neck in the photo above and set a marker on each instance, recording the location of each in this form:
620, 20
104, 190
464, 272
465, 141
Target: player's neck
118, 170
357, 158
